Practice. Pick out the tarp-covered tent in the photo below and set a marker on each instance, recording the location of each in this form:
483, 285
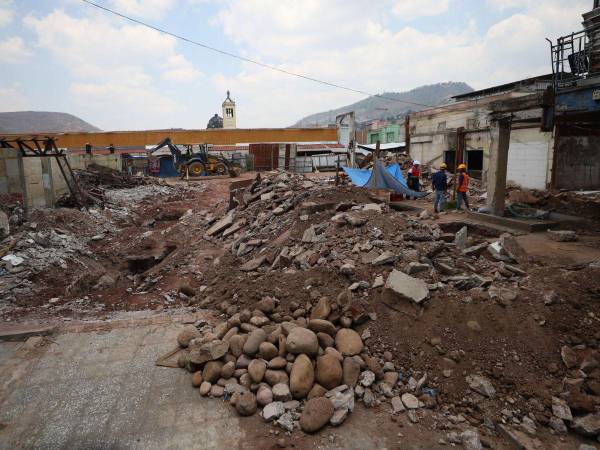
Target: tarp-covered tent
382, 178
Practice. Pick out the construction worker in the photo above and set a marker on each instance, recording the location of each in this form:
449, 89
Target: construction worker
413, 175
439, 182
462, 187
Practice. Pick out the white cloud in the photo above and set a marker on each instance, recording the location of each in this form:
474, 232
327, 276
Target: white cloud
180, 69
322, 39
149, 9
116, 67
6, 12
13, 99
413, 9
13, 51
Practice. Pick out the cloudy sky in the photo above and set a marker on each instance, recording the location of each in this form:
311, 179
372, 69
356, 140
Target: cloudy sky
64, 55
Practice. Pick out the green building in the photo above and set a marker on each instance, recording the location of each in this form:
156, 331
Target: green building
385, 135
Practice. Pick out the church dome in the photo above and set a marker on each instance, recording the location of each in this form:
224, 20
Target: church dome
215, 121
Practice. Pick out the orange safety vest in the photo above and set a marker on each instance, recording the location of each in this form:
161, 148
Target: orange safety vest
464, 186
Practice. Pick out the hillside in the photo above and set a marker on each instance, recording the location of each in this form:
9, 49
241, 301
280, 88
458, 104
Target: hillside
378, 108
42, 121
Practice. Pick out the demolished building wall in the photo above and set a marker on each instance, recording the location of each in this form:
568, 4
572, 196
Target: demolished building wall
434, 132
38, 180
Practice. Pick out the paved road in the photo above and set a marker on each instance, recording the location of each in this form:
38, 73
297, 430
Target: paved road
101, 390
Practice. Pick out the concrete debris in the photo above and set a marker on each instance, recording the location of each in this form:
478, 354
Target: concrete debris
481, 385
407, 287
460, 239
562, 235
561, 409
302, 330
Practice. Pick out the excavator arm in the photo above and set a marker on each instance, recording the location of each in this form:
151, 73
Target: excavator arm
166, 142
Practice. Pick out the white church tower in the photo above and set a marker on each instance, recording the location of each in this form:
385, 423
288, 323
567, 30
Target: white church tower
229, 113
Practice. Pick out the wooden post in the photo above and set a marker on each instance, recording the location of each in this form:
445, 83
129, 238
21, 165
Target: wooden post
458, 157
407, 133
496, 191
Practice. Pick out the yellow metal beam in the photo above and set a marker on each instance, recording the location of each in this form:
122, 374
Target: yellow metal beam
213, 136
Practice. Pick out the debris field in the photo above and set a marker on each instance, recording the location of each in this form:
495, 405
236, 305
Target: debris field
326, 301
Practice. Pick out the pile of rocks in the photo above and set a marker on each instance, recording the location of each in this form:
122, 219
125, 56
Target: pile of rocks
304, 366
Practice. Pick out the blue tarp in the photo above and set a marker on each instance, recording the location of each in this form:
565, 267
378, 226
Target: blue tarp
384, 178
167, 168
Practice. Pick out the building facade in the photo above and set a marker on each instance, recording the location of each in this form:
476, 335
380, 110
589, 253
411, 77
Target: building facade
576, 67
460, 132
385, 134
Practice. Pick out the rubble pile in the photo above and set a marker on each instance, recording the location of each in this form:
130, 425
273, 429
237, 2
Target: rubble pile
37, 251
585, 203
95, 182
285, 351
95, 175
56, 252
278, 226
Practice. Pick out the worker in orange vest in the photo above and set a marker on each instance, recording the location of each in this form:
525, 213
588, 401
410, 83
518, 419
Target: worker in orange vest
463, 187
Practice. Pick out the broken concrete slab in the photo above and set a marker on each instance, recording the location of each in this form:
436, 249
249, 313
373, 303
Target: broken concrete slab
475, 250
562, 235
588, 425
481, 385
209, 351
385, 258
460, 238
519, 439
407, 287
560, 409
22, 332
253, 264
222, 224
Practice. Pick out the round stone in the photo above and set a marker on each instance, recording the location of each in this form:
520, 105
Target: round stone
317, 391
255, 338
302, 376
348, 342
264, 396
277, 363
216, 391
246, 403
322, 326
257, 369
351, 371
227, 370
410, 401
316, 414
267, 351
197, 379
329, 371
281, 392
274, 377
205, 388
212, 371
188, 333
325, 340
302, 340
236, 344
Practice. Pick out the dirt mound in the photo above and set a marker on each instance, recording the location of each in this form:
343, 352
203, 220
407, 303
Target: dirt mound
489, 331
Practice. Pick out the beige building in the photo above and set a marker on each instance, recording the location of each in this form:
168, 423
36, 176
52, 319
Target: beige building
437, 134
229, 113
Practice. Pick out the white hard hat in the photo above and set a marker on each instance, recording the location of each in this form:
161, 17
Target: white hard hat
416, 162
